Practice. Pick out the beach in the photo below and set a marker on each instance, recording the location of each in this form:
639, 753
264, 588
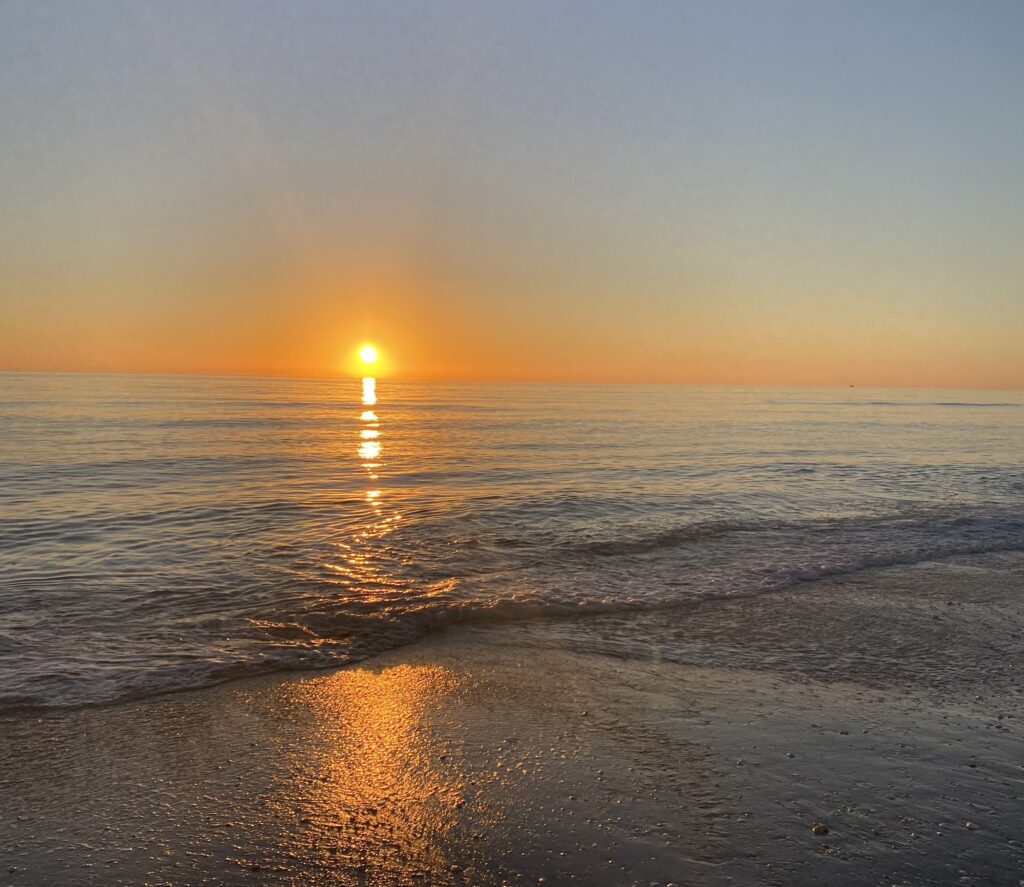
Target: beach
542, 753
503, 444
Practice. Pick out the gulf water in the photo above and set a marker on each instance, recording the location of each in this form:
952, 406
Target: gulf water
165, 532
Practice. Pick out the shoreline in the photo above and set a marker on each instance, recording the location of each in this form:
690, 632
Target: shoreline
510, 754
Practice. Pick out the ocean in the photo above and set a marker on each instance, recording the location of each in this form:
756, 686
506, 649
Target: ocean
160, 533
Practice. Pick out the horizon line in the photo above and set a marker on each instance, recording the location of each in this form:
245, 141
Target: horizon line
491, 380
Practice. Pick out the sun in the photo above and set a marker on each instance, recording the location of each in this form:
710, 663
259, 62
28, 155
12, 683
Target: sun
365, 360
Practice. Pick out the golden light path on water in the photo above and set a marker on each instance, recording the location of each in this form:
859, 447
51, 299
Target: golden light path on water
377, 777
354, 558
354, 561
370, 449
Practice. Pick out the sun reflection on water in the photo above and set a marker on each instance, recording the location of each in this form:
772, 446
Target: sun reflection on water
358, 562
369, 391
369, 451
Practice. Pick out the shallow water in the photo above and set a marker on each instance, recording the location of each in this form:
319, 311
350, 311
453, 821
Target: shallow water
161, 532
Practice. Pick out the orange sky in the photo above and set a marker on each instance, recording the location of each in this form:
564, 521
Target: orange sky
804, 195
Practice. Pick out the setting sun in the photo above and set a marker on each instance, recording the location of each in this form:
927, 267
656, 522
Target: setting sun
368, 354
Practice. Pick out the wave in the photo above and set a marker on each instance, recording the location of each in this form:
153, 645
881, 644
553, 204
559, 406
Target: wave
760, 558
921, 524
671, 538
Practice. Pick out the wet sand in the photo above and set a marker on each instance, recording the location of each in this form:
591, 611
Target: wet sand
886, 707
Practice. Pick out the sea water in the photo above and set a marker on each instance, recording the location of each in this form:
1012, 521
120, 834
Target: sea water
165, 532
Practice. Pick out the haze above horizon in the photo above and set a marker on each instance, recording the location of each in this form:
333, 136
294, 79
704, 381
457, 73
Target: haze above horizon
710, 192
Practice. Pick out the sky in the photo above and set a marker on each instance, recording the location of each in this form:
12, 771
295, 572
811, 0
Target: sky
814, 193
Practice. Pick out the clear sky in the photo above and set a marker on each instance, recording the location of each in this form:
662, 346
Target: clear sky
736, 192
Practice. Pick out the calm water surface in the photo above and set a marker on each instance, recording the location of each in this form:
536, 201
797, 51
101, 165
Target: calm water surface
161, 532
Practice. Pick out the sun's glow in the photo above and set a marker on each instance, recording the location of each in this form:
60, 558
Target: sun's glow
368, 354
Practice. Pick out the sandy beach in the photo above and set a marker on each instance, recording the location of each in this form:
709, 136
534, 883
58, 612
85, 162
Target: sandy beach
491, 444
476, 758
